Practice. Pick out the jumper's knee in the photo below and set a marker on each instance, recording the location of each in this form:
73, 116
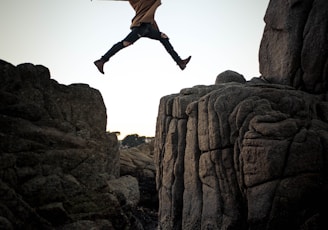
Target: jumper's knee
126, 43
164, 36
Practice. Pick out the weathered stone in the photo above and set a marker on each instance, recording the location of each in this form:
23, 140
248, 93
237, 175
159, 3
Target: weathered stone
247, 147
88, 224
5, 224
56, 158
229, 76
127, 190
294, 47
55, 213
138, 162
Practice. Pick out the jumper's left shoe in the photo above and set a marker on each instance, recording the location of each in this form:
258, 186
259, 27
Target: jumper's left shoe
183, 63
100, 65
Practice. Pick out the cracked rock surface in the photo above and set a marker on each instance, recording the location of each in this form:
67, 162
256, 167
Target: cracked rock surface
252, 154
242, 156
59, 168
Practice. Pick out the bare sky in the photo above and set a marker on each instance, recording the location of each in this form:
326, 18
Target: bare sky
68, 35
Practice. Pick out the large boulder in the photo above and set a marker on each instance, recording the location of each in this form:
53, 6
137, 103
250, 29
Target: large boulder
242, 156
59, 168
294, 48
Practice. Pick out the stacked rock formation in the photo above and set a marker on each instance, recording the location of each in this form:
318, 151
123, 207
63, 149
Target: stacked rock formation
294, 48
252, 155
59, 168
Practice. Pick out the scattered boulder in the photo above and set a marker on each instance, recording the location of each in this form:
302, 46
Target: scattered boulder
229, 76
139, 162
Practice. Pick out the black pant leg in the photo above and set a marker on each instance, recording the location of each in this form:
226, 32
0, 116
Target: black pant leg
132, 37
157, 35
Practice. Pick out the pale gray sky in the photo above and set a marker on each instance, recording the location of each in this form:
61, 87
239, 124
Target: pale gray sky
68, 35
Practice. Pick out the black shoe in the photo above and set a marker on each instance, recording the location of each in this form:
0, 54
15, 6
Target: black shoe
183, 63
100, 65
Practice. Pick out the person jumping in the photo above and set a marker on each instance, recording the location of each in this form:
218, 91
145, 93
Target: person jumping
143, 25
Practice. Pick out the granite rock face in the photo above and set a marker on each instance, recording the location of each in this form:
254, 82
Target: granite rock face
294, 47
252, 155
242, 156
59, 168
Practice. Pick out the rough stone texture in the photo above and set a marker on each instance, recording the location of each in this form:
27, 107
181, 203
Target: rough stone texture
294, 47
229, 76
252, 155
59, 169
242, 156
139, 162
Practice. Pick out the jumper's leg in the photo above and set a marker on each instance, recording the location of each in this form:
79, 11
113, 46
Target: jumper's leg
164, 39
169, 48
164, 35
126, 43
129, 40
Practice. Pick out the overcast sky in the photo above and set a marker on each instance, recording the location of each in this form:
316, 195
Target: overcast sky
68, 35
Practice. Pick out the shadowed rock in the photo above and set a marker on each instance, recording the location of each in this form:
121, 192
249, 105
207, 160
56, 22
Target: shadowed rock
59, 168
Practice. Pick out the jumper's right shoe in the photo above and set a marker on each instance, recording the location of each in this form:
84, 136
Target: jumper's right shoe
100, 65
183, 63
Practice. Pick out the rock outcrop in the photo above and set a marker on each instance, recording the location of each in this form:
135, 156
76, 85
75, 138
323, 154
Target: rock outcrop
242, 156
59, 168
294, 47
252, 155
